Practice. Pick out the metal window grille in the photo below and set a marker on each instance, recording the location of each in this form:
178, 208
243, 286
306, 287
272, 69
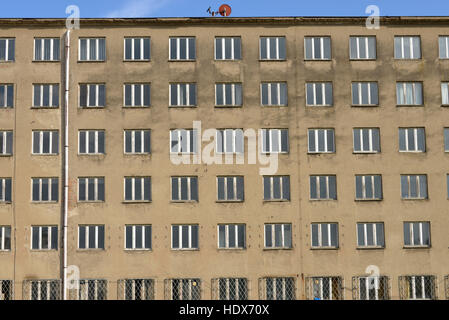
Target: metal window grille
42, 289
136, 289
6, 290
182, 289
371, 288
230, 289
92, 289
277, 288
418, 287
324, 288
446, 287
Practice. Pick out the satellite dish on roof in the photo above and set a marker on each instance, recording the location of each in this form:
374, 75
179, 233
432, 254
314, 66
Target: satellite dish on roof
225, 10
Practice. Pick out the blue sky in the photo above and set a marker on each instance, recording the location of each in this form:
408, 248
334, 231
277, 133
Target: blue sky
240, 8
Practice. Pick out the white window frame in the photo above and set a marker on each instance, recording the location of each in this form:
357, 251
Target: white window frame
50, 285
269, 98
3, 190
178, 48
189, 188
180, 227
445, 92
233, 94
133, 190
96, 236
317, 182
3, 238
142, 48
236, 234
88, 132
360, 95
4, 103
143, 86
366, 40
320, 235
418, 186
446, 41
96, 186
270, 136
89, 86
41, 142
414, 87
7, 44
373, 282
422, 279
52, 44
223, 286
50, 186
415, 139
97, 51
191, 149
268, 53
331, 283
52, 87
50, 238
234, 138
223, 47
178, 95
365, 234
323, 92
133, 141
313, 58
273, 236
134, 237
412, 39
420, 232
4, 141
225, 188
315, 131
370, 140
281, 185
370, 178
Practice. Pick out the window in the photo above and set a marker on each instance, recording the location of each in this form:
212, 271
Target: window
90, 237
182, 48
45, 189
317, 48
6, 290
362, 48
230, 188
92, 49
91, 142
417, 234
365, 94
45, 95
185, 237
278, 288
447, 180
231, 236
274, 94
368, 187
138, 189
321, 140
228, 94
5, 189
92, 95
228, 48
229, 141
278, 236
44, 238
414, 186
46, 142
138, 237
366, 140
90, 189
137, 141
444, 47
446, 139
137, 49
409, 93
323, 188
319, 94
444, 93
417, 287
6, 95
46, 49
231, 288
272, 48
370, 235
372, 288
184, 188
412, 140
5, 239
274, 140
183, 289
182, 94
406, 47
7, 49
137, 95
326, 288
137, 289
6, 143
324, 235
183, 141
276, 188
43, 289
92, 289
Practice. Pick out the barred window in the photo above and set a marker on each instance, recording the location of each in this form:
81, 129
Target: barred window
45, 189
137, 141
182, 94
7, 49
319, 94
137, 95
366, 140
368, 187
137, 188
324, 235
184, 188
45, 95
138, 237
365, 94
92, 95
229, 141
362, 48
276, 188
182, 48
5, 240
183, 141
6, 96
321, 140
278, 236
231, 236
279, 288
6, 290
5, 189
323, 188
91, 189
46, 49
44, 237
137, 289
372, 288
44, 289
6, 143
417, 234
228, 94
183, 289
185, 237
418, 287
412, 140
46, 142
414, 186
274, 140
317, 48
228, 48
274, 94
446, 139
326, 288
272, 48
407, 47
230, 188
92, 289
443, 42
444, 93
91, 237
370, 235
91, 142
137, 49
92, 49
409, 93
232, 288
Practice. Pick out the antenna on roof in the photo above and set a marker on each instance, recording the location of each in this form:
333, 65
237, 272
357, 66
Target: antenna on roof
224, 11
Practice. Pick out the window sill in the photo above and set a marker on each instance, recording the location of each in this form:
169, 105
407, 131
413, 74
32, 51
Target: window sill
228, 60
92, 154
412, 151
370, 248
368, 200
319, 60
324, 248
317, 200
276, 200
445, 105
268, 153
136, 202
320, 105
277, 249
91, 61
90, 201
181, 60
184, 201
182, 107
318, 153
407, 59
91, 107
37, 108
137, 250
366, 152
365, 105
44, 154
273, 105
272, 60
229, 201
136, 60
361, 59
138, 154
5, 155
43, 250
413, 199
182, 250
46, 61
416, 247
5, 202
230, 106
135, 107
409, 105
44, 202
231, 249
9, 61
90, 250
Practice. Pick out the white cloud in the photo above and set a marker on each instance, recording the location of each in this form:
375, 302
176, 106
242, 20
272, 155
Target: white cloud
137, 9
